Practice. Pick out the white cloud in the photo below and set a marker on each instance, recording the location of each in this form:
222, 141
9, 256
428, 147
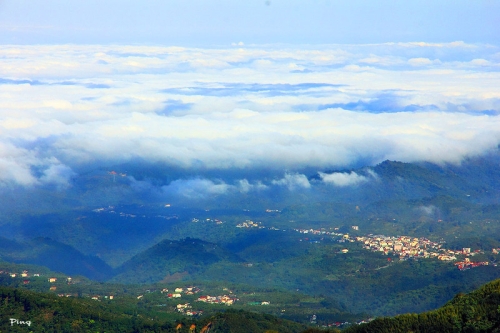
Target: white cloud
480, 62
197, 188
58, 175
15, 165
422, 61
63, 106
342, 179
244, 186
293, 181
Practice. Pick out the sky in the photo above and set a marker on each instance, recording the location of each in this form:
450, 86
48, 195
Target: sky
221, 22
218, 86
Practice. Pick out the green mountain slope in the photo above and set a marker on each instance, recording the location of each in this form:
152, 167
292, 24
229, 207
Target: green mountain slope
49, 313
40, 312
477, 311
54, 255
172, 260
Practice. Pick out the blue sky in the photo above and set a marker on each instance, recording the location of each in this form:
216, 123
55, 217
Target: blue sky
221, 22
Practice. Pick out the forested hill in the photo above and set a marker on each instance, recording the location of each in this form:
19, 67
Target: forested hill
55, 255
168, 257
477, 311
40, 312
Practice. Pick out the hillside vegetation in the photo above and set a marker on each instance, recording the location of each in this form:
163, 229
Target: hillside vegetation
478, 311
40, 312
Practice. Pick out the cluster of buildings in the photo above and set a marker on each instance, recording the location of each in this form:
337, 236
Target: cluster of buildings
97, 297
187, 310
346, 323
250, 224
25, 275
404, 246
467, 264
216, 221
110, 209
177, 292
319, 232
411, 247
224, 299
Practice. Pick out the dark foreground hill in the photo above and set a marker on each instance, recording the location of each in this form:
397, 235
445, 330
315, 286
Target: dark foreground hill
478, 311
24, 311
27, 311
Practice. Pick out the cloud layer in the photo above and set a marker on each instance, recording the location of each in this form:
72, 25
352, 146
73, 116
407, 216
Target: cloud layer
342, 179
64, 108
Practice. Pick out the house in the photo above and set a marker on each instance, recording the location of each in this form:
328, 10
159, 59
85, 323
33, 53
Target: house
24, 274
344, 250
52, 279
183, 306
178, 290
53, 288
26, 281
13, 275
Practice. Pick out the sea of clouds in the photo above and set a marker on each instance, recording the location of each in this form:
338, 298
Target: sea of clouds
68, 108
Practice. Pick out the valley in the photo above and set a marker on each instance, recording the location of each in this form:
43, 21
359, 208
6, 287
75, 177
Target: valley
331, 260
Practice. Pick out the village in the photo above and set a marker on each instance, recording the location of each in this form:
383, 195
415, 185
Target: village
404, 247
55, 283
250, 224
